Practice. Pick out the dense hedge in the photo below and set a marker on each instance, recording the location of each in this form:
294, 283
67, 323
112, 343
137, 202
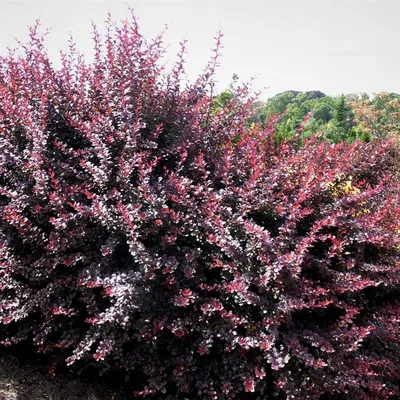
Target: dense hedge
144, 232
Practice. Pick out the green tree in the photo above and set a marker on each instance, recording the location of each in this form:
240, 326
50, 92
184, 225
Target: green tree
341, 113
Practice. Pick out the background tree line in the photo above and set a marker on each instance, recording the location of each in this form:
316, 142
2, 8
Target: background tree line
347, 117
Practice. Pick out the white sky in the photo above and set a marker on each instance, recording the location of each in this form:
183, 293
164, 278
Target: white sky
336, 46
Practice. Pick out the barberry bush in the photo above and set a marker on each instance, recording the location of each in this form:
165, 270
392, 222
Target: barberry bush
145, 233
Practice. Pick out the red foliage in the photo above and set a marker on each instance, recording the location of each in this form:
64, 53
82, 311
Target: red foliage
138, 231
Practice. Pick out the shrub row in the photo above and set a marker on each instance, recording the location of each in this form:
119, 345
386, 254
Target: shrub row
143, 232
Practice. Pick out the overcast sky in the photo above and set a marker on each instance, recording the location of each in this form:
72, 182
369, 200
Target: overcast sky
336, 46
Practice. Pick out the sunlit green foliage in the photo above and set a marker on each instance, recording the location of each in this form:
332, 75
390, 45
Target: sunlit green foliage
348, 117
